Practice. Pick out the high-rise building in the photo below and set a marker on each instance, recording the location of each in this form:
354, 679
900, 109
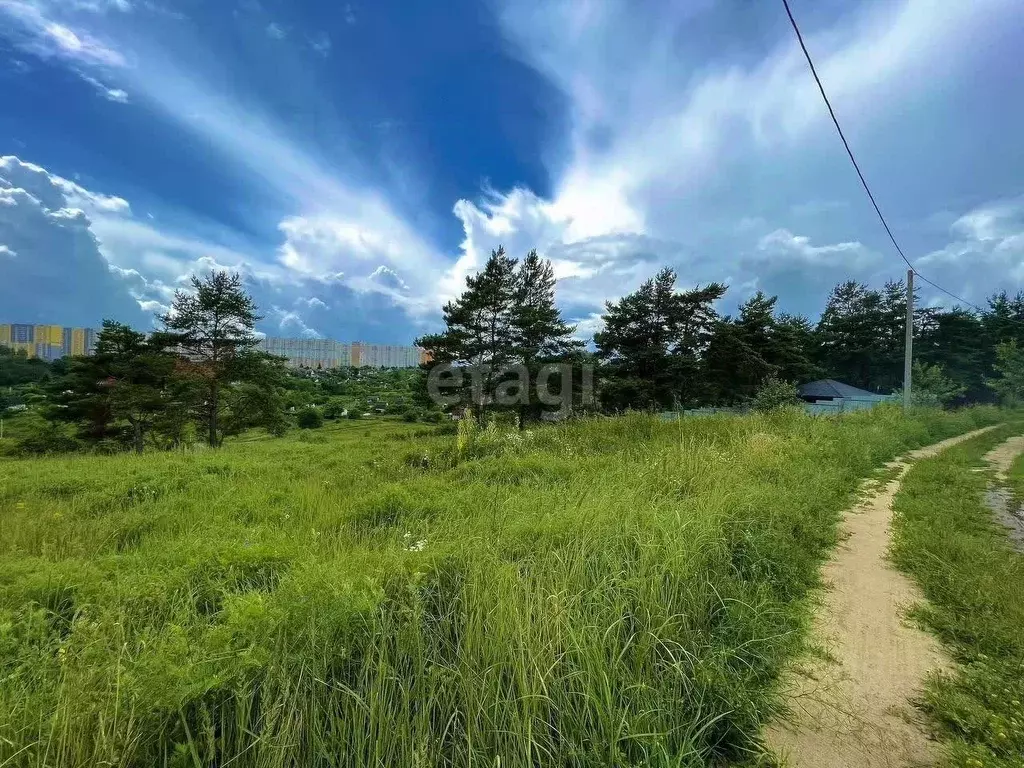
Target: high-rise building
47, 342
50, 342
324, 353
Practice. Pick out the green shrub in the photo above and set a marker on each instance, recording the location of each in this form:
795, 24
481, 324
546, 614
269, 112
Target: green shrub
47, 438
334, 409
775, 394
310, 418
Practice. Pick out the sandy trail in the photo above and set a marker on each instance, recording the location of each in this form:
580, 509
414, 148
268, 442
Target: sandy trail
851, 703
999, 498
1001, 457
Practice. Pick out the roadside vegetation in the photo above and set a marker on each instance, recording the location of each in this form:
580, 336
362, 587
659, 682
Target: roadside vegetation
946, 538
614, 591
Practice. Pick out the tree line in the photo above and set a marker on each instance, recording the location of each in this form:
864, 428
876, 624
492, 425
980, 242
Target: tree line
659, 347
662, 347
200, 373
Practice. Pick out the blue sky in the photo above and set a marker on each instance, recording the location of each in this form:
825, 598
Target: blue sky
356, 160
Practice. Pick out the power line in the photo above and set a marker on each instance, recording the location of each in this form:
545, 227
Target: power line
849, 152
970, 304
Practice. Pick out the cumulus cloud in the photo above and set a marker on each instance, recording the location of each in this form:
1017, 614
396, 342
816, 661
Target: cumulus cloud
290, 323
986, 252
55, 192
59, 274
388, 278
590, 270
276, 31
367, 253
312, 303
75, 256
784, 243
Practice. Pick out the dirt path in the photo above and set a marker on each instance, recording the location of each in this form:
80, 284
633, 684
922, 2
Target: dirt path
998, 497
851, 702
1001, 457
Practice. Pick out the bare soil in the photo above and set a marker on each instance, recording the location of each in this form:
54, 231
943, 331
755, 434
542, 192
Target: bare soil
999, 498
851, 702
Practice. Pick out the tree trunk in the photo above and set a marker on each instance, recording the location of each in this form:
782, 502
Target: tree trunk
214, 407
139, 442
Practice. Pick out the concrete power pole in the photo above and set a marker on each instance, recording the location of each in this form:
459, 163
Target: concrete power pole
908, 348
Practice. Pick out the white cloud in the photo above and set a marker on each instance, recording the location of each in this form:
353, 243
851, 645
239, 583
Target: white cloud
56, 192
388, 278
155, 307
5, 251
312, 303
291, 324
111, 94
782, 242
350, 14
987, 252
59, 274
993, 222
276, 31
587, 326
590, 269
367, 253
30, 30
80, 46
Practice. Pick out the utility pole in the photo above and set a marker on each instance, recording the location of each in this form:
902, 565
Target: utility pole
908, 348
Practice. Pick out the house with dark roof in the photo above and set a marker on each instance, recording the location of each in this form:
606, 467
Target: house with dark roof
830, 389
831, 396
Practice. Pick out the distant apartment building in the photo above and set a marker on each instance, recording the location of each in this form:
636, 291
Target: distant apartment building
48, 342
324, 353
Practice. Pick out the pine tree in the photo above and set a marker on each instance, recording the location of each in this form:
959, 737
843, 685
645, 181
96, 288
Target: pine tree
794, 349
212, 329
653, 344
1009, 368
541, 336
123, 383
744, 353
506, 316
478, 335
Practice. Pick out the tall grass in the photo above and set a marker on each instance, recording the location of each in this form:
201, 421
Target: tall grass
611, 592
974, 581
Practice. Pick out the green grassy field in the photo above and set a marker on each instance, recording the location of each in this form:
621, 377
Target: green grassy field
615, 592
974, 581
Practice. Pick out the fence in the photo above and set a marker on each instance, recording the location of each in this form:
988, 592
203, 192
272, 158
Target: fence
818, 408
